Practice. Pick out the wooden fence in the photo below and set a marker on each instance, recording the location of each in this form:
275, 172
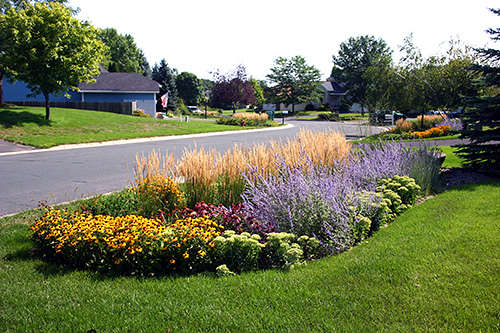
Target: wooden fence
114, 107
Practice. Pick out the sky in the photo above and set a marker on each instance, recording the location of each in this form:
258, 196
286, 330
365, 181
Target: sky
200, 36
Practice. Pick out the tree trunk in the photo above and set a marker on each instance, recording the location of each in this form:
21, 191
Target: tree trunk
47, 105
1, 87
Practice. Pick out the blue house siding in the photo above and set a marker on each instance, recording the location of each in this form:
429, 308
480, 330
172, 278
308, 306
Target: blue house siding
110, 87
16, 92
145, 101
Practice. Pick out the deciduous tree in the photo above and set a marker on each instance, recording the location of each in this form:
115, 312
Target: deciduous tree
4, 6
355, 56
293, 81
122, 55
190, 88
50, 50
232, 89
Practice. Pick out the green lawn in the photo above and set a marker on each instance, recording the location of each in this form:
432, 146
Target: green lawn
435, 268
452, 160
27, 125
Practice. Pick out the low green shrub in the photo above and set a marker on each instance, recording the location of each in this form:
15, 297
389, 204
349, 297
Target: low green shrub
284, 250
325, 107
246, 122
400, 191
116, 204
238, 252
330, 116
140, 113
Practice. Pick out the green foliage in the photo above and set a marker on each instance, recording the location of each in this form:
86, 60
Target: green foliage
295, 81
190, 88
223, 270
425, 170
122, 54
45, 38
120, 203
399, 192
140, 113
165, 76
355, 57
246, 122
280, 251
325, 107
258, 91
238, 252
329, 116
482, 116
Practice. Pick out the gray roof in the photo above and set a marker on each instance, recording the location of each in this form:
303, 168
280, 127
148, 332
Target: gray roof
121, 82
333, 88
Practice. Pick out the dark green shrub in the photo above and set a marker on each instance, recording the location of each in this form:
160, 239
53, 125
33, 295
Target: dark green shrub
330, 116
325, 107
309, 107
245, 122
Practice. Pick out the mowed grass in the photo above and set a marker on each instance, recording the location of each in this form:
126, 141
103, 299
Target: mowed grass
452, 160
27, 125
435, 268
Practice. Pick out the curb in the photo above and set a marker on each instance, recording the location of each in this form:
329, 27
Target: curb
151, 139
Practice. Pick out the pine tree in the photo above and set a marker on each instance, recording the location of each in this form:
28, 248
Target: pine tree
165, 76
482, 115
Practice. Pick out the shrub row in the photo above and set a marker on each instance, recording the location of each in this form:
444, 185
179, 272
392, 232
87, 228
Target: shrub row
240, 121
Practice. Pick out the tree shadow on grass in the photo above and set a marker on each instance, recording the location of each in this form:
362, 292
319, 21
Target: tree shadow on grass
12, 118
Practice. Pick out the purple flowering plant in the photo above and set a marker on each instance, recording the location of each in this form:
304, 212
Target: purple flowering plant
337, 205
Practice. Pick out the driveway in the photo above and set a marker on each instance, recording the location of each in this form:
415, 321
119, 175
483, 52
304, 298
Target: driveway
7, 147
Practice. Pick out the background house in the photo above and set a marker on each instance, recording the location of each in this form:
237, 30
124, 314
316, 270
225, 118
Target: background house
133, 90
332, 94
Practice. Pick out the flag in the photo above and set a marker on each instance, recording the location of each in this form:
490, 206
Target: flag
164, 100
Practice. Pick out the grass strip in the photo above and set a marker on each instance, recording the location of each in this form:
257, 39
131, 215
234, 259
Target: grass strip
436, 268
27, 125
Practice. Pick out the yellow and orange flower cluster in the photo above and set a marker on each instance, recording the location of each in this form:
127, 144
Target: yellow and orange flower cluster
431, 133
108, 240
157, 192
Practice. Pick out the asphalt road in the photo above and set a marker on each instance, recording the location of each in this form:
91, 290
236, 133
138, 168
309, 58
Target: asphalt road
29, 176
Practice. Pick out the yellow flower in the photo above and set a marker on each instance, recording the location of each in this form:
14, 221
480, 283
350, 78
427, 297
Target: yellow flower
117, 262
172, 261
185, 255
201, 253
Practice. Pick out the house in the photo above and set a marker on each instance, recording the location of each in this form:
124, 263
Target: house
333, 95
131, 88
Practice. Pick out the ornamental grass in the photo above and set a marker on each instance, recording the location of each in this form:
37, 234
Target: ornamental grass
213, 177
429, 121
250, 115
